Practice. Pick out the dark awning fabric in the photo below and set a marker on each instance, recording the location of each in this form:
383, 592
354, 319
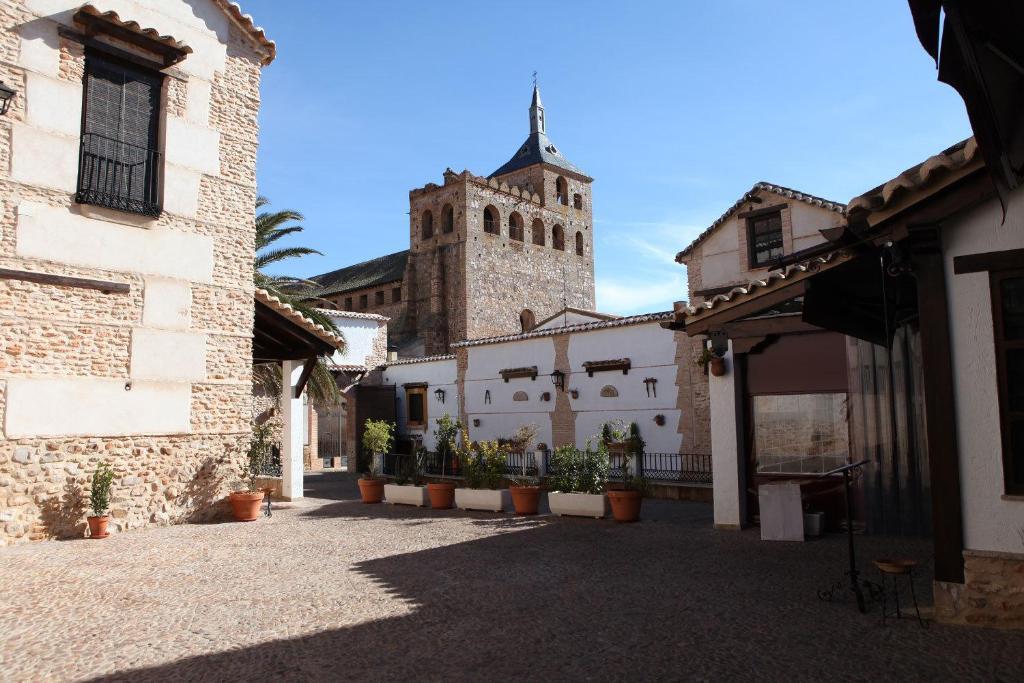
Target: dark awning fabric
981, 55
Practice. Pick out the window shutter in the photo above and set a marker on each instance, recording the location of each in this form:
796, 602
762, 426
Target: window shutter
119, 161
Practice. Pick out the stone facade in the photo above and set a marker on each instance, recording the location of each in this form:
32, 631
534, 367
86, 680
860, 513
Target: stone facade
464, 281
155, 379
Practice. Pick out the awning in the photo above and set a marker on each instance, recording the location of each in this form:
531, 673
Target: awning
282, 333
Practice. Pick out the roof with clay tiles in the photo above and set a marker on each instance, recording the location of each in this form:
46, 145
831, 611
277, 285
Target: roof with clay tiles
377, 271
785, 192
352, 315
285, 309
249, 27
579, 327
420, 359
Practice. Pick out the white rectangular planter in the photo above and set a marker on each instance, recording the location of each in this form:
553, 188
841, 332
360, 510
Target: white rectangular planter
578, 504
406, 495
493, 500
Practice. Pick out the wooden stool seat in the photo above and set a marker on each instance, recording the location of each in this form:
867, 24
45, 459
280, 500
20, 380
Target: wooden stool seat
897, 566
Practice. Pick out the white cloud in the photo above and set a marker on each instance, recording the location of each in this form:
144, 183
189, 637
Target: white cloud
645, 294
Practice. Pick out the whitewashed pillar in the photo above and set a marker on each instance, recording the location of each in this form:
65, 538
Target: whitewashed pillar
291, 434
728, 459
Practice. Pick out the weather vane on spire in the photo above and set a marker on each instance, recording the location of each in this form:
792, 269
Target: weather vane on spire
534, 79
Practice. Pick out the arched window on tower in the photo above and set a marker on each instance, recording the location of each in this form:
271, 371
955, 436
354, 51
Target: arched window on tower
527, 320
579, 243
515, 227
538, 232
447, 219
558, 238
491, 221
562, 191
427, 226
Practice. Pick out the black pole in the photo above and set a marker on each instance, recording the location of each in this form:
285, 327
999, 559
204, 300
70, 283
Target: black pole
854, 580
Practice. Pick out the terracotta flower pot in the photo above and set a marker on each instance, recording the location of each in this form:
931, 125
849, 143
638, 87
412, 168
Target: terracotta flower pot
625, 505
717, 366
245, 505
525, 499
371, 490
442, 495
98, 526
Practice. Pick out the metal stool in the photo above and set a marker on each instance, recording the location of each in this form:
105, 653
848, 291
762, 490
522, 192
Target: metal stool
894, 569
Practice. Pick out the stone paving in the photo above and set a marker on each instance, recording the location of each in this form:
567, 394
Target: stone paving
331, 589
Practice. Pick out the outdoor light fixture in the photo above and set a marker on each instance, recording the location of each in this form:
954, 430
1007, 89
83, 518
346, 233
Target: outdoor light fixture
558, 379
439, 394
6, 95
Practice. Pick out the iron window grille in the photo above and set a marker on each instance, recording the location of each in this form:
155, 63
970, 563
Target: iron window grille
119, 165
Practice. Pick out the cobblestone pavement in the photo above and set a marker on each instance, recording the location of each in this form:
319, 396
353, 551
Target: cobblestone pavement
331, 589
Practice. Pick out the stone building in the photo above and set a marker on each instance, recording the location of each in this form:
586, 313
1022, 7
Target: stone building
487, 256
127, 193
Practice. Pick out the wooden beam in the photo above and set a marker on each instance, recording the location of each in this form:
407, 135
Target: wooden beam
1010, 259
747, 306
307, 370
104, 286
774, 208
759, 327
940, 409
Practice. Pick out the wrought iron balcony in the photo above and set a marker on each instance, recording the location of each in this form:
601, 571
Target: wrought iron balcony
119, 175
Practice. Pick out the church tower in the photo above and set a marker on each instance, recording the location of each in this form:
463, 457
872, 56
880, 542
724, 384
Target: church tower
491, 255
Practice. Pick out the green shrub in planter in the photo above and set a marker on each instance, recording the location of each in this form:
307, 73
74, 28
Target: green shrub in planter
99, 493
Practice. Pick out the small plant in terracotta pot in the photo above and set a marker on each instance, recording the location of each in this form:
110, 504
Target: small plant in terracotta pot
378, 435
245, 503
525, 489
442, 493
99, 501
709, 360
627, 498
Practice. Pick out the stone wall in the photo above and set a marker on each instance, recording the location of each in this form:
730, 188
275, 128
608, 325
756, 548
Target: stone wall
992, 594
182, 331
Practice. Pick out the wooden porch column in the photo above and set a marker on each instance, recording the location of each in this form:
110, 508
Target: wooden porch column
291, 433
940, 405
728, 450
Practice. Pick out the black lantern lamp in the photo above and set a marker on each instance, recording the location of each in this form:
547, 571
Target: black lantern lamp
439, 395
6, 95
558, 379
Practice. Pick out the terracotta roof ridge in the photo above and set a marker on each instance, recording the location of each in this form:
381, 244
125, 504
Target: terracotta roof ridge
419, 359
134, 27
352, 314
781, 190
578, 327
249, 27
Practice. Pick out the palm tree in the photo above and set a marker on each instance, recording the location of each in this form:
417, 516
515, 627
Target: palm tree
271, 226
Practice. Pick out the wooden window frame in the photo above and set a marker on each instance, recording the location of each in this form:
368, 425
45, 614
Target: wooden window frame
364, 302
754, 217
1012, 486
421, 391
348, 303
378, 297
492, 221
396, 295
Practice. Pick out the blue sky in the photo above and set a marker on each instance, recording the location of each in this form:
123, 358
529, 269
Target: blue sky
675, 108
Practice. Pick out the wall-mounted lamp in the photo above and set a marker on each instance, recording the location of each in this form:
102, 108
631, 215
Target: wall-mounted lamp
558, 379
439, 395
6, 95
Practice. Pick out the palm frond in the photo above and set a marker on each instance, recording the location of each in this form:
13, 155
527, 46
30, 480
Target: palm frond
267, 258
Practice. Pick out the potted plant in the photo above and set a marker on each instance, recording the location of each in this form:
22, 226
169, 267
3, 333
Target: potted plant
406, 490
578, 480
525, 490
626, 499
99, 501
378, 435
245, 503
442, 494
483, 468
708, 359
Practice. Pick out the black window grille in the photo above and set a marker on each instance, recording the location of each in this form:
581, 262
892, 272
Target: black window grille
119, 164
765, 239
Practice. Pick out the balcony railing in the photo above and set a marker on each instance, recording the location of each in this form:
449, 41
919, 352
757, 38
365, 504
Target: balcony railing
118, 175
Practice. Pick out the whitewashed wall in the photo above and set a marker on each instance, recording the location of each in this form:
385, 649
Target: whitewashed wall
361, 334
991, 521
503, 415
439, 374
650, 348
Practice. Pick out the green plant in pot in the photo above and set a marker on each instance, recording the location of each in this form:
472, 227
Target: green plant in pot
627, 498
99, 501
709, 360
446, 436
378, 436
524, 488
406, 488
578, 478
245, 502
484, 470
